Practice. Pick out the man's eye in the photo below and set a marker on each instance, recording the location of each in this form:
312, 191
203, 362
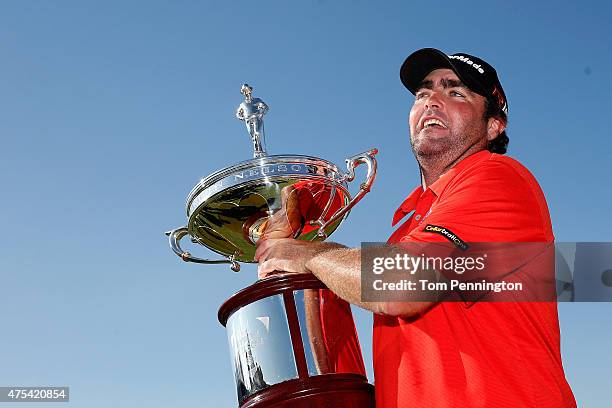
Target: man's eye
419, 95
455, 93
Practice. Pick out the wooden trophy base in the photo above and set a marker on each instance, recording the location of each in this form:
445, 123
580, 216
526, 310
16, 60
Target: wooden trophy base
322, 391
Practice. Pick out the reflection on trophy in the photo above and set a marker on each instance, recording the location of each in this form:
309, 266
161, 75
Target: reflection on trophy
292, 341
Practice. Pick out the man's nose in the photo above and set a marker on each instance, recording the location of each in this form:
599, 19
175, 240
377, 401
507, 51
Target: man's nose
433, 100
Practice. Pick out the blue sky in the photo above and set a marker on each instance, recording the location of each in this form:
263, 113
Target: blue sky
111, 111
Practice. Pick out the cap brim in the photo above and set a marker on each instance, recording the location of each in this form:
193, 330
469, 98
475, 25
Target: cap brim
420, 63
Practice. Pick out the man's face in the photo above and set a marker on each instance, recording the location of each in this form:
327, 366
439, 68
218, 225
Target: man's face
447, 118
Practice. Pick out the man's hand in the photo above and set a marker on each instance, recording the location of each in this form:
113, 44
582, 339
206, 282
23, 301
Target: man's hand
288, 220
285, 255
277, 250
277, 244
288, 255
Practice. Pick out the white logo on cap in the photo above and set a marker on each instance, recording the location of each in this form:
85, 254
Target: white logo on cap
467, 61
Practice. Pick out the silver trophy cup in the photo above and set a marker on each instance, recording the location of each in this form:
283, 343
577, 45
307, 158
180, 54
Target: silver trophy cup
292, 341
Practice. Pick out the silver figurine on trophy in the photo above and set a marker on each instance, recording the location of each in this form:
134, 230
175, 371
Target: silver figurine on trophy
252, 111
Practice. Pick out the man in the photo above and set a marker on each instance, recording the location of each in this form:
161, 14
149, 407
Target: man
452, 354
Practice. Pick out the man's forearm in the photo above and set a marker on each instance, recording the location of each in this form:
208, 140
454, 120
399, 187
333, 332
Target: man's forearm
340, 270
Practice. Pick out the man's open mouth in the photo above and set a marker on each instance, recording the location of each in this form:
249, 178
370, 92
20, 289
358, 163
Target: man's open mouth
434, 123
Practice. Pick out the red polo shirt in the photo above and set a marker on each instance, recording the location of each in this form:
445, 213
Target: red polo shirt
482, 354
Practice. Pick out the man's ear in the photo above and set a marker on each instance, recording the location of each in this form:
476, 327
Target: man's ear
494, 127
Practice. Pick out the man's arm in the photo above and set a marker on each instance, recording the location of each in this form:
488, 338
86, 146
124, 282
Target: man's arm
339, 268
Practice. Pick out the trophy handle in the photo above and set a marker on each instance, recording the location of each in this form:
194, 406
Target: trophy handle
353, 162
175, 236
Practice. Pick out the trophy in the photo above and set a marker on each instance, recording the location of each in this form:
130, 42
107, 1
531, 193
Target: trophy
292, 341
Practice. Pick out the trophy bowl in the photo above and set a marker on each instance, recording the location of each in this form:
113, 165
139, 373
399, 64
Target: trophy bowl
228, 209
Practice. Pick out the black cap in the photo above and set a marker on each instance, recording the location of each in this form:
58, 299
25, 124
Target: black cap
475, 73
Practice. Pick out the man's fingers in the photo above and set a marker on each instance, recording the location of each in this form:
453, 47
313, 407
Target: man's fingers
288, 220
263, 270
270, 247
269, 267
278, 226
261, 248
276, 266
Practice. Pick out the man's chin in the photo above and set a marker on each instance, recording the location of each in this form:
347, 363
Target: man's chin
429, 146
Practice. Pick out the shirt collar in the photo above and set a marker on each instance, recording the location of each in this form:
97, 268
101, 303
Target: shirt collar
407, 206
438, 186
